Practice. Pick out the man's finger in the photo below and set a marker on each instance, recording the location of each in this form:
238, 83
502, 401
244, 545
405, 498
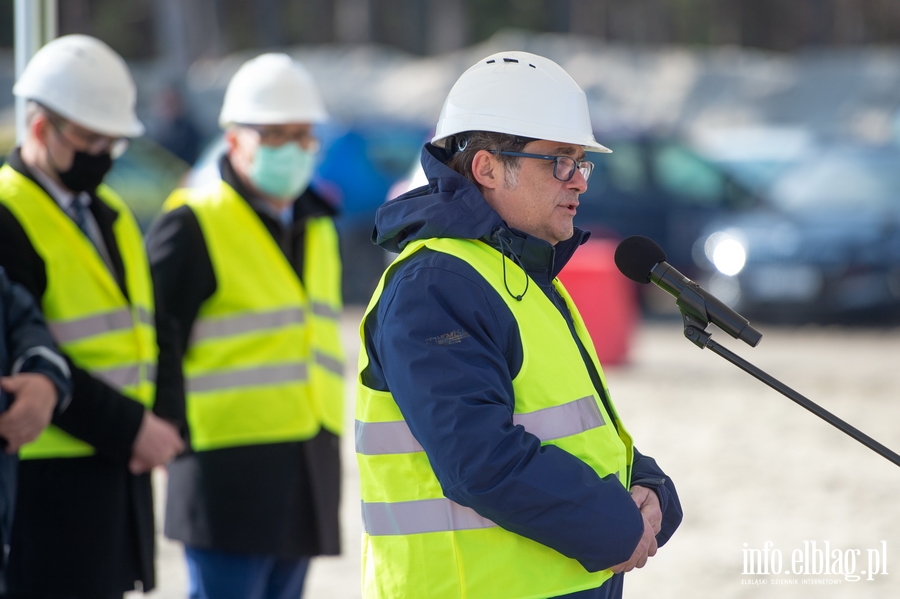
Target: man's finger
137, 466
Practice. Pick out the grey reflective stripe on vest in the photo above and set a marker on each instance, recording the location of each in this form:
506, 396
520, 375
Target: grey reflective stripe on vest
248, 377
211, 328
562, 421
145, 317
73, 330
332, 365
381, 438
325, 311
416, 517
125, 376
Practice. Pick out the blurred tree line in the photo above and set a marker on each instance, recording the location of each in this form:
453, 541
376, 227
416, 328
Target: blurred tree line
182, 30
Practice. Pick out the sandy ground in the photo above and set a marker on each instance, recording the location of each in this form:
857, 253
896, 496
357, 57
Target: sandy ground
754, 470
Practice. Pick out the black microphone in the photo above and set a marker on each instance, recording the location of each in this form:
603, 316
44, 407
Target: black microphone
642, 260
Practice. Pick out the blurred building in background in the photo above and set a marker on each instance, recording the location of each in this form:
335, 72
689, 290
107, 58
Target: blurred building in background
676, 64
706, 103
184, 30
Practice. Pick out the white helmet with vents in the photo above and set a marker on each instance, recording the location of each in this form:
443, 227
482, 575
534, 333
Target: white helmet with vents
521, 94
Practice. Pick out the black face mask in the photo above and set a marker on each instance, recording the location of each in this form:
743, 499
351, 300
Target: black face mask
87, 171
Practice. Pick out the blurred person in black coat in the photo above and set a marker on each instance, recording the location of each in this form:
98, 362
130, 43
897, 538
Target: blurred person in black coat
35, 384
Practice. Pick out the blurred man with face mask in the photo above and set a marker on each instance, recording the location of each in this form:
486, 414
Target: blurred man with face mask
83, 525
249, 271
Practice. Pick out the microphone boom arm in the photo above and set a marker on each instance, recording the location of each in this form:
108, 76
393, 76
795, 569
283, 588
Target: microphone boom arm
702, 306
695, 332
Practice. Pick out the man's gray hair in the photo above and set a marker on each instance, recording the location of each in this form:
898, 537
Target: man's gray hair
32, 109
466, 145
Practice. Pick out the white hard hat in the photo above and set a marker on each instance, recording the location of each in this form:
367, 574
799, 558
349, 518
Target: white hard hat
521, 94
272, 89
84, 81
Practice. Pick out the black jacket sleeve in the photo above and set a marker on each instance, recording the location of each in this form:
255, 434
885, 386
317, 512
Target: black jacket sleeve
18, 256
182, 271
28, 345
183, 278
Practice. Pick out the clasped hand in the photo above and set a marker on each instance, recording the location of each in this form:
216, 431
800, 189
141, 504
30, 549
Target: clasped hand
31, 410
157, 443
648, 502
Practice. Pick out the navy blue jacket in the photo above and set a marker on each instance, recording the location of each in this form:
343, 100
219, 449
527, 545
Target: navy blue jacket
458, 398
26, 347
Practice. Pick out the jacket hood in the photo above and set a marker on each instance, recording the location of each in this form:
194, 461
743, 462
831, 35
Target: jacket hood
449, 206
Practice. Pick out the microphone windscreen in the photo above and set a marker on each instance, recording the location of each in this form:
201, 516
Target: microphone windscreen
637, 255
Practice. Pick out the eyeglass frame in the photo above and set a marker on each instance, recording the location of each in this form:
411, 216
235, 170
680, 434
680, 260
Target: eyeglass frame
556, 160
311, 145
115, 146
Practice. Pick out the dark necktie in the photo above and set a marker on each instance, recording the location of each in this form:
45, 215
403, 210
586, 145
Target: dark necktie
80, 216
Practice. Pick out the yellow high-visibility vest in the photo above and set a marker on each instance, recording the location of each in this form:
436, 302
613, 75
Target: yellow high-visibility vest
264, 362
322, 281
417, 542
94, 324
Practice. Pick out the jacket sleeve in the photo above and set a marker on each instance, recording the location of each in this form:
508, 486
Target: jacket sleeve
183, 278
100, 416
647, 473
28, 342
170, 403
458, 401
18, 257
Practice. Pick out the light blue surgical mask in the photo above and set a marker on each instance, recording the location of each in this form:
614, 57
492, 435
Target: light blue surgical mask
282, 172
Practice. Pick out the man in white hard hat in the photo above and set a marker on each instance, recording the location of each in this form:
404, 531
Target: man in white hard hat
248, 268
84, 522
493, 463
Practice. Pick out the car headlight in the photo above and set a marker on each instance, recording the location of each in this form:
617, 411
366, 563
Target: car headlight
726, 251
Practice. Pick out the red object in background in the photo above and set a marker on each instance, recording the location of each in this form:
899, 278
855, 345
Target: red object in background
606, 299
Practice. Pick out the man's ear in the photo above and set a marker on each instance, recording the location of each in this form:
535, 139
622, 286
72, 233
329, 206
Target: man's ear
487, 170
230, 137
37, 128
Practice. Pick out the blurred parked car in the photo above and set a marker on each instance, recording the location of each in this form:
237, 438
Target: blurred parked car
361, 162
756, 155
661, 189
824, 246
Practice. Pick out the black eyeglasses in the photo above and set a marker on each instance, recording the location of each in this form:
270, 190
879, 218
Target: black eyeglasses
277, 136
92, 143
565, 166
